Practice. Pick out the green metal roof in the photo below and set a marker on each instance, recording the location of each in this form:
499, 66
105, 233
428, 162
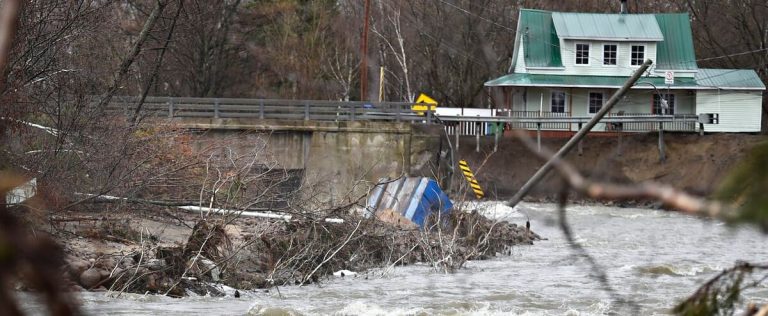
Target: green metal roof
540, 42
676, 51
706, 79
612, 27
540, 31
729, 78
571, 81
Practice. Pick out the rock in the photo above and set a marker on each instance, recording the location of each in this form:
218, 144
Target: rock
127, 263
155, 264
90, 278
152, 282
76, 267
211, 267
104, 273
107, 264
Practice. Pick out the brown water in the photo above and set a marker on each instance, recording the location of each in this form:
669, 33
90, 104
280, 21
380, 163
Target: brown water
652, 258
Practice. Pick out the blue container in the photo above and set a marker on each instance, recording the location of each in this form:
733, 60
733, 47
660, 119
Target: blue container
415, 198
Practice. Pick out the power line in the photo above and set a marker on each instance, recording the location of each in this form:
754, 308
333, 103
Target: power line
476, 15
735, 54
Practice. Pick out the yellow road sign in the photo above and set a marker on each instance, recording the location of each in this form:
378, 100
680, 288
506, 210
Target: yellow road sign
424, 103
464, 166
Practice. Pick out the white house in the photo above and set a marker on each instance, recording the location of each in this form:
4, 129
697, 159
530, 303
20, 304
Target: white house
569, 64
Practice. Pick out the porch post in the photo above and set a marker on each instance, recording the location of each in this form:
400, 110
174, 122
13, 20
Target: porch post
456, 132
662, 154
581, 150
538, 135
478, 126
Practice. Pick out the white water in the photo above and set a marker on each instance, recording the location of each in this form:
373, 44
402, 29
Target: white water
653, 258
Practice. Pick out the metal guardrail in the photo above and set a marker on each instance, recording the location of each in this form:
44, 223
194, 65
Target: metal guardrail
383, 111
270, 109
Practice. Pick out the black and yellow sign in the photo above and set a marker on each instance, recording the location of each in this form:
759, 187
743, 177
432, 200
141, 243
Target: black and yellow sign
471, 179
424, 103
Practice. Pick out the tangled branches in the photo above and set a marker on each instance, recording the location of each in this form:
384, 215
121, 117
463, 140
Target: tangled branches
720, 294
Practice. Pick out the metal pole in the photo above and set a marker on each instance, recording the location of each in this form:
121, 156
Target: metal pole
306, 111
579, 135
261, 109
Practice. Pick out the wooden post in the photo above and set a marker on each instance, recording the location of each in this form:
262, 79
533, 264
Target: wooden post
216, 108
457, 130
538, 135
477, 137
580, 149
662, 154
620, 134
261, 109
579, 135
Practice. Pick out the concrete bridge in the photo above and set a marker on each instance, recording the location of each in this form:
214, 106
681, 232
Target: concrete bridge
338, 146
334, 161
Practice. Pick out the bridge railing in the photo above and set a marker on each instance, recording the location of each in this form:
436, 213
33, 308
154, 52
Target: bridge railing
270, 109
474, 121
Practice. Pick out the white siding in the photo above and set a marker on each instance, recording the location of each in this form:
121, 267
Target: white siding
740, 111
596, 67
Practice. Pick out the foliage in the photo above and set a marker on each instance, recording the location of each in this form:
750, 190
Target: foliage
720, 295
746, 187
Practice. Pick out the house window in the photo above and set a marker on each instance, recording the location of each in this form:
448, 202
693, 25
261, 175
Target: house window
610, 52
657, 104
637, 55
595, 102
582, 54
558, 101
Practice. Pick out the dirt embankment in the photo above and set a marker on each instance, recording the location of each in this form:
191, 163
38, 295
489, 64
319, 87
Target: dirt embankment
696, 164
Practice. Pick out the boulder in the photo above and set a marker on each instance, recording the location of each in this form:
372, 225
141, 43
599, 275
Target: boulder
76, 267
90, 278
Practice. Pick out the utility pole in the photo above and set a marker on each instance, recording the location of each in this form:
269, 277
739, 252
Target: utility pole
364, 53
579, 135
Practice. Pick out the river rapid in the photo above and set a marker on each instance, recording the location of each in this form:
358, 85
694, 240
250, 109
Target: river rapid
652, 258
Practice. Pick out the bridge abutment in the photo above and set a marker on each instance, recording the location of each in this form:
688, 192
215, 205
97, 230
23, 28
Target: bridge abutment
338, 161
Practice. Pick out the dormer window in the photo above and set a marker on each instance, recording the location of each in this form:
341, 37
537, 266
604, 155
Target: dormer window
610, 52
582, 54
637, 56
